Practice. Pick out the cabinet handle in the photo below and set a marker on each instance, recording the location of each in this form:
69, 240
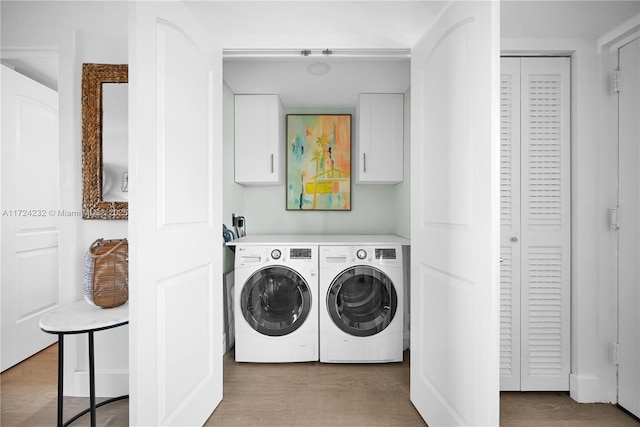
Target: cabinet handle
364, 162
272, 163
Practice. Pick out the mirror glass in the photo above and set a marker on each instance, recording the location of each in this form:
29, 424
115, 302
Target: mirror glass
115, 164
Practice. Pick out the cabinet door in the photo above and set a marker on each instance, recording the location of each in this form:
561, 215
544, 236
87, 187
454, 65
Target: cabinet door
380, 150
259, 151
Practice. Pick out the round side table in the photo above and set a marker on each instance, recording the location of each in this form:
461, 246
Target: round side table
82, 318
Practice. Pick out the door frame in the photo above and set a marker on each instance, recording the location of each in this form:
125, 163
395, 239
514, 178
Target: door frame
608, 46
616, 57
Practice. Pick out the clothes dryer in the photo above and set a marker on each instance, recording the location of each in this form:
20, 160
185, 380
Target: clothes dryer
276, 309
361, 320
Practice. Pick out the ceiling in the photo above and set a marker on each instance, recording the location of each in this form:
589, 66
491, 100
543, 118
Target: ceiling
391, 25
564, 19
382, 32
290, 77
42, 70
299, 82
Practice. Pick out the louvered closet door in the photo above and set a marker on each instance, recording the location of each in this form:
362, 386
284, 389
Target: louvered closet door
510, 224
541, 272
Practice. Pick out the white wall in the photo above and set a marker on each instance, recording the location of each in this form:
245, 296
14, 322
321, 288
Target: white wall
232, 194
403, 190
79, 32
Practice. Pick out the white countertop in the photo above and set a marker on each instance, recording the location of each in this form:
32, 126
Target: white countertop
320, 239
81, 316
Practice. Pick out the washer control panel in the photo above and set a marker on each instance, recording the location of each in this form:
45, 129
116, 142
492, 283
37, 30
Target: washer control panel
256, 255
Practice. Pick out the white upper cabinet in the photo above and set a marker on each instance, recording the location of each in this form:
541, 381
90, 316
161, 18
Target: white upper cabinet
379, 146
259, 139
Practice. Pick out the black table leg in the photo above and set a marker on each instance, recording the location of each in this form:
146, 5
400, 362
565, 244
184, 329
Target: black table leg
92, 385
60, 376
92, 381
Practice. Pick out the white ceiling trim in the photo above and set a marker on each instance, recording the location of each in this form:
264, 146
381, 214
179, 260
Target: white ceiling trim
316, 53
20, 52
621, 35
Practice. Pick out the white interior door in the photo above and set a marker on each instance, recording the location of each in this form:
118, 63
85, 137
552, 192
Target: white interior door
535, 224
629, 235
455, 155
29, 206
175, 214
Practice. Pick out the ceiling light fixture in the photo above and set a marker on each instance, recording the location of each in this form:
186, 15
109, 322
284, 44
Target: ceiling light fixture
318, 68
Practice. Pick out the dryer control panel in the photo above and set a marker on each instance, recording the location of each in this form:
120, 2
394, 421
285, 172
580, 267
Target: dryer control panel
390, 256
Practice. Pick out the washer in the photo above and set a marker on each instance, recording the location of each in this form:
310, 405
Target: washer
361, 320
276, 309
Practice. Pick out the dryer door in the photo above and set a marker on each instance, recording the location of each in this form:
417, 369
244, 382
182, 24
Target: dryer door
362, 301
275, 301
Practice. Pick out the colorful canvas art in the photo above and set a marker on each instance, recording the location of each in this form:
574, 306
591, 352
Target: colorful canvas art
319, 162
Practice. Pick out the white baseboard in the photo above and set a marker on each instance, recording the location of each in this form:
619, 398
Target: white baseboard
108, 383
586, 389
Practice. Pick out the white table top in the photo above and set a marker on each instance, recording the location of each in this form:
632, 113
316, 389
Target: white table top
81, 317
320, 239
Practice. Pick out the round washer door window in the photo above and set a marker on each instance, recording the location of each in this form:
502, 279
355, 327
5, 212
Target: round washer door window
275, 301
362, 301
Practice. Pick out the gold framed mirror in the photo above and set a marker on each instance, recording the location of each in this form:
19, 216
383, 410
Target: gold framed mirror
104, 113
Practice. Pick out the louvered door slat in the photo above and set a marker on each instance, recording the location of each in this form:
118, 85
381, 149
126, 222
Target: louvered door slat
544, 327
544, 149
509, 323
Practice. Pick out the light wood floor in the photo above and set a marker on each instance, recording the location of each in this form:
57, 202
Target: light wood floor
295, 394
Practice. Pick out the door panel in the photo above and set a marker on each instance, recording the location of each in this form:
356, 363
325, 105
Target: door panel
176, 271
546, 224
29, 209
629, 194
510, 224
455, 218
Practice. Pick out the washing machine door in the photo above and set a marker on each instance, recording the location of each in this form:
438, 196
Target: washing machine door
275, 300
362, 301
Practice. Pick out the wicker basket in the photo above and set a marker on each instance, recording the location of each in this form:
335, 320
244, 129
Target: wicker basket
106, 276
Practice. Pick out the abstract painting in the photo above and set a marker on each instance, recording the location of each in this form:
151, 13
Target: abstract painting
319, 162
